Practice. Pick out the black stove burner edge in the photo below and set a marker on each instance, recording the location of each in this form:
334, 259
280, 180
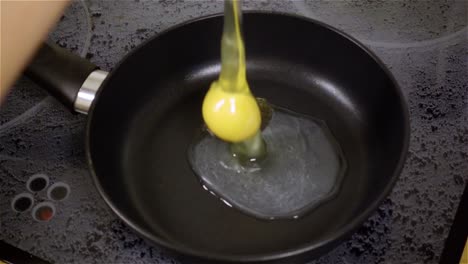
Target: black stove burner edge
13, 255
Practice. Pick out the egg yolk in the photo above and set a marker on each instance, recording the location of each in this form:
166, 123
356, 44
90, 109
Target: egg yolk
232, 116
229, 109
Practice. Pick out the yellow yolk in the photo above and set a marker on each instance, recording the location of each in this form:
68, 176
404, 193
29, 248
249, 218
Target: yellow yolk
229, 109
232, 116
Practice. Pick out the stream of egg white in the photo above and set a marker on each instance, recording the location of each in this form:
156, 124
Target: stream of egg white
233, 75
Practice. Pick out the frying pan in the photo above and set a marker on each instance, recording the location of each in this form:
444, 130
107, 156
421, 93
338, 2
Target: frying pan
144, 115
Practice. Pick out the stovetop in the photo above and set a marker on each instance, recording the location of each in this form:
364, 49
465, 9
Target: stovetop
424, 43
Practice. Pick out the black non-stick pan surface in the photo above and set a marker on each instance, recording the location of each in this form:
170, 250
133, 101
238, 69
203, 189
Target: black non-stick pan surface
148, 110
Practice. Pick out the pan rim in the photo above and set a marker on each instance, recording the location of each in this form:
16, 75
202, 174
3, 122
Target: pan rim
332, 239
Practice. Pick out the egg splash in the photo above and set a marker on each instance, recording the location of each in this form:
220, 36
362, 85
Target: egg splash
263, 160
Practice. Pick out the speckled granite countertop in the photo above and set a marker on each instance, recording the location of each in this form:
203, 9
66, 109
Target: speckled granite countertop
424, 43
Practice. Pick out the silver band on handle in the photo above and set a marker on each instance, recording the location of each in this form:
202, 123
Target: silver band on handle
88, 90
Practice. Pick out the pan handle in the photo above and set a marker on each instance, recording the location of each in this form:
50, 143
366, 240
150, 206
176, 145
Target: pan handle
68, 77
